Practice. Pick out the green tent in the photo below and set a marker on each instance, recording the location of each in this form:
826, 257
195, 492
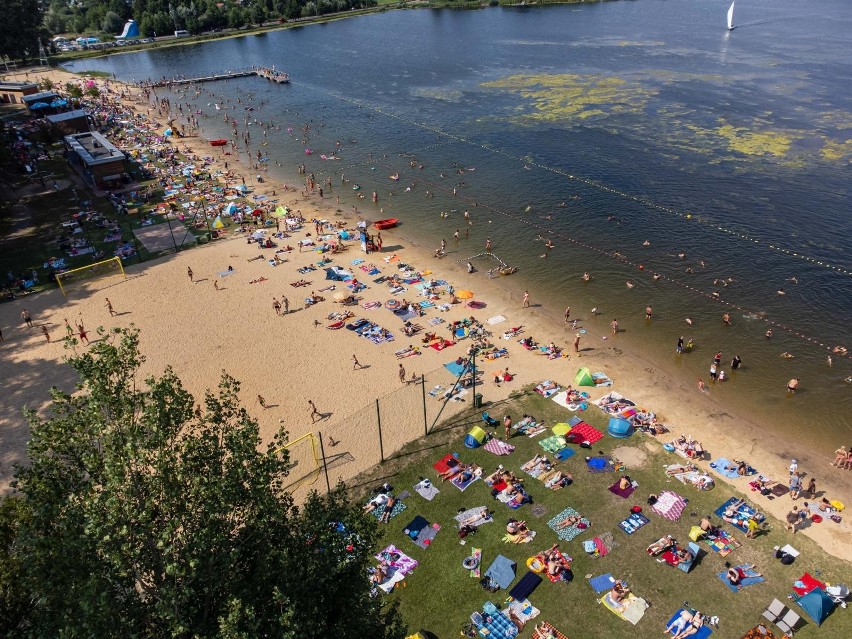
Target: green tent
584, 377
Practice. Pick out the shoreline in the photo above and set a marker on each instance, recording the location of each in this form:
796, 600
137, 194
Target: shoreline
645, 380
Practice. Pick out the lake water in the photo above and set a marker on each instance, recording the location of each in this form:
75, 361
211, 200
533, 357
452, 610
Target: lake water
600, 127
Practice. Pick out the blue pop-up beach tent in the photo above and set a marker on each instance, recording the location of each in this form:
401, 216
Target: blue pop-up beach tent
619, 427
817, 604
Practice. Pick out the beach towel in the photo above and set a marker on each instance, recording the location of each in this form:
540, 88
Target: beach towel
457, 369
723, 543
561, 398
600, 464
498, 447
426, 489
750, 579
569, 532
601, 379
725, 468
806, 583
633, 523
398, 507
474, 512
394, 577
779, 490
497, 624
553, 444
547, 630
623, 493
604, 544
406, 315
476, 553
669, 505
584, 432
602, 583
501, 571
564, 453
742, 516
526, 586
438, 390
225, 273
445, 463
549, 392
533, 470
530, 429
524, 610
495, 320
462, 485
703, 632
632, 608
393, 556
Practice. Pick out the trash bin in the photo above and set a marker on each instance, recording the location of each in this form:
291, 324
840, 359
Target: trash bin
477, 400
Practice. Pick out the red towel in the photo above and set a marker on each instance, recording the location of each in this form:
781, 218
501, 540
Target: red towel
442, 466
810, 584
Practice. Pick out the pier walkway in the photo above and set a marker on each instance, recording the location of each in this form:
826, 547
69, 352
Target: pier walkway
263, 72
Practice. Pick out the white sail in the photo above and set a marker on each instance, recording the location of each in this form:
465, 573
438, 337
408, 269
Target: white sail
731, 17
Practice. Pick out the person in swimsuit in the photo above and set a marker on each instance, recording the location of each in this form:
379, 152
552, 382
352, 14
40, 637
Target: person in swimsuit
694, 626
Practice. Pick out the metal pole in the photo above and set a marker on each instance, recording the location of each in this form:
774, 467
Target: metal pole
379, 422
425, 418
324, 465
473, 372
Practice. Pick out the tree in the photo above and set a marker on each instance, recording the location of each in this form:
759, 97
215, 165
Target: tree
148, 515
112, 23
20, 28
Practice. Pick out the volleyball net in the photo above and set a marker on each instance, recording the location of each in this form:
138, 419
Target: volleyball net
75, 278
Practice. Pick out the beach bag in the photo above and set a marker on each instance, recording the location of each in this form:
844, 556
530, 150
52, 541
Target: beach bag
784, 557
652, 500
636, 510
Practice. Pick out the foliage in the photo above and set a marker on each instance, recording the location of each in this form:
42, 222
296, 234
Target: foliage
20, 28
162, 17
73, 90
46, 84
145, 514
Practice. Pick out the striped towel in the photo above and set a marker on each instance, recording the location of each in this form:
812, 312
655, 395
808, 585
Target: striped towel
669, 505
498, 447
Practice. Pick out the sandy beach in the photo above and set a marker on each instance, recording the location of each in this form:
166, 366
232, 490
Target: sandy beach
291, 358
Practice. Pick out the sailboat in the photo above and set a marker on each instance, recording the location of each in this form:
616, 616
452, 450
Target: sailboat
731, 17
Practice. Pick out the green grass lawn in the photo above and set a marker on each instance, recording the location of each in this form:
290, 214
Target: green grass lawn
440, 595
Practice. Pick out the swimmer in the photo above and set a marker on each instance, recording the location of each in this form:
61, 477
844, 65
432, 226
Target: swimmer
768, 333
630, 284
586, 277
646, 243
787, 355
781, 291
656, 276
793, 280
688, 320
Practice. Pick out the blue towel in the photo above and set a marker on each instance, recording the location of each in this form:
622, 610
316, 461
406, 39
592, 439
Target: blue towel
750, 579
564, 454
602, 583
501, 571
457, 369
719, 466
703, 632
743, 514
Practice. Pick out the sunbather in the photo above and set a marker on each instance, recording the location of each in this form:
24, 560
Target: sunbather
679, 623
736, 574
682, 555
475, 519
625, 482
618, 595
379, 574
570, 520
730, 514
379, 500
386, 516
693, 627
537, 462
559, 478
515, 527
708, 527
452, 471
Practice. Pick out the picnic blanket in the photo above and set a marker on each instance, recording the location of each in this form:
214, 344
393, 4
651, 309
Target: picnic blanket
445, 463
624, 493
669, 505
394, 557
602, 583
398, 507
583, 432
553, 444
426, 489
750, 579
525, 587
742, 516
723, 543
703, 632
725, 468
501, 571
498, 447
632, 609
600, 464
547, 630
421, 532
497, 624
569, 532
604, 544
474, 512
633, 523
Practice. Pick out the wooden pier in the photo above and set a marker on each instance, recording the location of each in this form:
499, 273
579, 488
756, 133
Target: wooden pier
262, 72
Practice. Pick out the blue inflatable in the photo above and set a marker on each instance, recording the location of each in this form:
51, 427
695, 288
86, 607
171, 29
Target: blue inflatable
619, 428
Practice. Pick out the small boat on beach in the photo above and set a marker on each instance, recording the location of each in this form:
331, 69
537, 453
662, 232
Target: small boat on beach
386, 224
731, 16
218, 142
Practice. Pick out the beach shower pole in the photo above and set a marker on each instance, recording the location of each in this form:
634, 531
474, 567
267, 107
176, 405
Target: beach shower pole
379, 422
425, 418
324, 465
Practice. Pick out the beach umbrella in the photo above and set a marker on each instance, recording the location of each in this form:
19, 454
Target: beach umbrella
218, 224
464, 295
242, 188
280, 211
59, 102
39, 105
561, 428
339, 296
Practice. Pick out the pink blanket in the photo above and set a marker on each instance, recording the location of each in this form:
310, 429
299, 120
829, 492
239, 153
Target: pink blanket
669, 505
498, 447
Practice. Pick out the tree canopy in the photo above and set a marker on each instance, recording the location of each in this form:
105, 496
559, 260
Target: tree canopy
20, 28
144, 514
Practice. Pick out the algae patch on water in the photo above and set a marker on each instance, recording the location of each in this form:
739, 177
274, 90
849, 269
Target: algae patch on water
834, 150
568, 96
749, 142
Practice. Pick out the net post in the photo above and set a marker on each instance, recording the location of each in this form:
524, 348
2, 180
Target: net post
379, 422
324, 465
425, 416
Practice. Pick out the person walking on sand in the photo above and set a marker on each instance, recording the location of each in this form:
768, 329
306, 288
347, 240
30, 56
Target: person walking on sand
567, 314
795, 486
262, 401
701, 385
191, 276
793, 385
614, 326
839, 457
577, 343
110, 308
648, 312
276, 306
792, 520
401, 374
314, 412
526, 303
26, 318
812, 488
355, 363
46, 334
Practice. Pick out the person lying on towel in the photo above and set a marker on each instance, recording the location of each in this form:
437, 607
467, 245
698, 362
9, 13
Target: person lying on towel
694, 625
619, 595
661, 545
736, 574
452, 471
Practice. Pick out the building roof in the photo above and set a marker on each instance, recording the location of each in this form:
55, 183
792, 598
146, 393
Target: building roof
43, 96
93, 148
17, 86
68, 115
